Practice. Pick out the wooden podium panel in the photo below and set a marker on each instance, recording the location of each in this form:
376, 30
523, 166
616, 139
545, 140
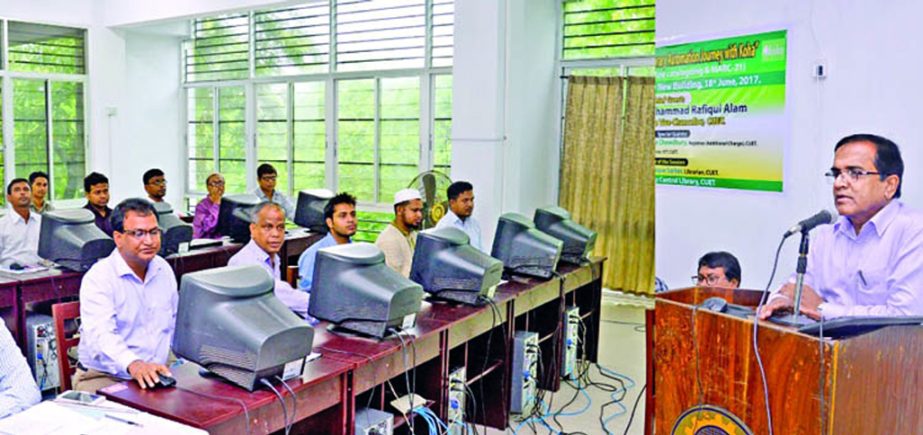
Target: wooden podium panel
865, 384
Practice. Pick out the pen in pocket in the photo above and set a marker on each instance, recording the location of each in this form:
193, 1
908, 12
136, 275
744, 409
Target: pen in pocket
862, 278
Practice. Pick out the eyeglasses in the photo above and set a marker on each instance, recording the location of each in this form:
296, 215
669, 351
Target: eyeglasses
216, 184
711, 280
139, 234
159, 182
852, 174
269, 177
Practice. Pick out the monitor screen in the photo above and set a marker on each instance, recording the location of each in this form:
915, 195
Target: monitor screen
449, 268
354, 289
70, 238
230, 322
175, 231
578, 240
310, 210
523, 249
234, 216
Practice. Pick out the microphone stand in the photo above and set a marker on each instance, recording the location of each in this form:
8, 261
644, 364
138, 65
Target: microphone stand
796, 318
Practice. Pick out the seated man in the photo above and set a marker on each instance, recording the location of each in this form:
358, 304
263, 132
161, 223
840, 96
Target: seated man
155, 184
266, 176
718, 269
128, 304
267, 232
398, 239
868, 262
461, 206
17, 387
38, 181
205, 222
340, 215
19, 228
96, 189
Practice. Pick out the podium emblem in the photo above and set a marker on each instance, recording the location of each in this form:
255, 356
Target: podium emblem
709, 420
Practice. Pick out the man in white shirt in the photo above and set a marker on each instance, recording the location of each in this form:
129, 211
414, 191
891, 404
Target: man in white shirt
398, 240
461, 206
267, 233
128, 304
17, 387
19, 228
266, 176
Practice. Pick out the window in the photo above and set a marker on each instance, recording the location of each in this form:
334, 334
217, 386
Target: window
345, 94
216, 137
292, 40
46, 49
45, 67
600, 29
291, 133
219, 49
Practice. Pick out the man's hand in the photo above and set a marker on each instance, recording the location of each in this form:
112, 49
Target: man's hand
810, 301
146, 374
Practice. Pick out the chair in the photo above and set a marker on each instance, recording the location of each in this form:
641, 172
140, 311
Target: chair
291, 275
67, 335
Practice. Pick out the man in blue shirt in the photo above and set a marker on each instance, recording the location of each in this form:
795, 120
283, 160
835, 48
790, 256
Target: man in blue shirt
340, 215
461, 206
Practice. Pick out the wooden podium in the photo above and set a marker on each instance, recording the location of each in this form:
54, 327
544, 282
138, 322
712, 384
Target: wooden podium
704, 373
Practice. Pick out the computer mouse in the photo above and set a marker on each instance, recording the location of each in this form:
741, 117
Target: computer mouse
716, 304
165, 381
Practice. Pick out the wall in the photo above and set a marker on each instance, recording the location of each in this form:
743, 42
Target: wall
151, 119
504, 100
131, 13
868, 49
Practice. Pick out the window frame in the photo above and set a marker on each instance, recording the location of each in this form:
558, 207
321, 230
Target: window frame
7, 78
330, 78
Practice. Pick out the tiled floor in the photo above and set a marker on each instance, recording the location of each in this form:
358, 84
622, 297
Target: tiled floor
622, 351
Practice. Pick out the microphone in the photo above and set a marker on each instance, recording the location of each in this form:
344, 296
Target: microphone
821, 218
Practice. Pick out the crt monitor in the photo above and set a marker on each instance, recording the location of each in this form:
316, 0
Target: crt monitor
355, 290
523, 249
234, 216
230, 322
449, 268
71, 239
310, 210
175, 231
578, 239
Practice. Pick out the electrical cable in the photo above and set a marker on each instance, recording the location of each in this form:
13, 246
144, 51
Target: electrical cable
406, 378
294, 398
634, 408
281, 402
756, 321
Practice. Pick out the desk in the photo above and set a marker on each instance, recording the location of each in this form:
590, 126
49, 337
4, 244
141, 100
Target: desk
9, 304
321, 392
296, 241
355, 372
201, 259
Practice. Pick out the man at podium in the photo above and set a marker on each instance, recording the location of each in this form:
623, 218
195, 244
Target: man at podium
870, 261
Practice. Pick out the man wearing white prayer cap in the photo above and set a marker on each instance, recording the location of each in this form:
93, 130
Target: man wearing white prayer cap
399, 239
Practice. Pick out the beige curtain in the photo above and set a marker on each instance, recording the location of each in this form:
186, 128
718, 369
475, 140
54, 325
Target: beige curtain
607, 173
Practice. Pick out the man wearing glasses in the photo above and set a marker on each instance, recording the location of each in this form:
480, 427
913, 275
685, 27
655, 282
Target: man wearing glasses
266, 176
128, 305
718, 269
267, 232
869, 262
205, 222
155, 184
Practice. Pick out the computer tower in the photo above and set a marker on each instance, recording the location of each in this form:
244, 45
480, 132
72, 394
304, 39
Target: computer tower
370, 421
571, 338
455, 415
524, 373
42, 351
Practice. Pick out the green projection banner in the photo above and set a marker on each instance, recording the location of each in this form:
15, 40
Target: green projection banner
720, 118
